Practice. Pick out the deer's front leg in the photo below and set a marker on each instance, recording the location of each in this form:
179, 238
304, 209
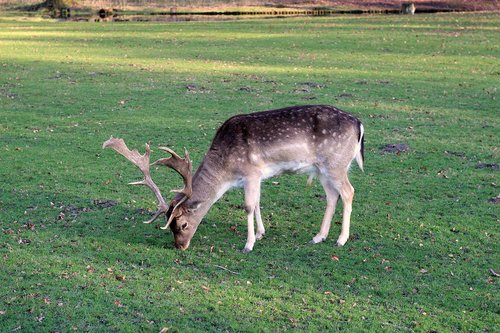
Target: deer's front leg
252, 195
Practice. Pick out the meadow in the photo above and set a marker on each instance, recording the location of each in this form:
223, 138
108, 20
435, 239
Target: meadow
75, 255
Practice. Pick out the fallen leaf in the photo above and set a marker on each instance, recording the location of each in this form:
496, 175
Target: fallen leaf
120, 277
423, 271
205, 288
341, 301
24, 241
442, 173
335, 258
2, 312
118, 303
46, 300
90, 269
164, 329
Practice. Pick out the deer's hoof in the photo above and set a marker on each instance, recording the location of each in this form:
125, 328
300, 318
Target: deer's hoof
259, 236
246, 250
317, 239
340, 243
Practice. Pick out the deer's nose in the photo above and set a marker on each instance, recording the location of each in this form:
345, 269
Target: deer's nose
181, 247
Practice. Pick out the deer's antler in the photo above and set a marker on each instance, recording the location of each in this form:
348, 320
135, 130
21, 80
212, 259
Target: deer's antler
142, 162
183, 167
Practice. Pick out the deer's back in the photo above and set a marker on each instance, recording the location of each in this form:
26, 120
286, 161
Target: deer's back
299, 136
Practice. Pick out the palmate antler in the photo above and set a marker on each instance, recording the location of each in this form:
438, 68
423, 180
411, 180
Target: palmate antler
181, 165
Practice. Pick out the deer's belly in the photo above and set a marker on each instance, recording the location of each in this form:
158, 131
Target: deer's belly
270, 170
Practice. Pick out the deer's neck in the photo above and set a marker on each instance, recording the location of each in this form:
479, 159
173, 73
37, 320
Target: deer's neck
209, 183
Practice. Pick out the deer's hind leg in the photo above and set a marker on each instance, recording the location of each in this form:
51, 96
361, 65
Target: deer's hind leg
332, 196
347, 193
260, 225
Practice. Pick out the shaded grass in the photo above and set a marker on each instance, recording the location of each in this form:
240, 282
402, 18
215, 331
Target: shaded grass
425, 234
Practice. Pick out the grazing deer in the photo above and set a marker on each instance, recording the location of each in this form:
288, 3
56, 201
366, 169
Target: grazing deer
319, 140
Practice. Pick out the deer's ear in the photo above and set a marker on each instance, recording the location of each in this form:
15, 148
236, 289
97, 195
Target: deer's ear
193, 206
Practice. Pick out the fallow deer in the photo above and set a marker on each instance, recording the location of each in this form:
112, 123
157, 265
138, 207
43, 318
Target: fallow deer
316, 139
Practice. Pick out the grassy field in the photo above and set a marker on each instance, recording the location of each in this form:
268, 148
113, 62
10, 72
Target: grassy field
424, 229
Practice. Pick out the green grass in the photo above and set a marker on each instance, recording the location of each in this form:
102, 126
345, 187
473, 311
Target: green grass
425, 234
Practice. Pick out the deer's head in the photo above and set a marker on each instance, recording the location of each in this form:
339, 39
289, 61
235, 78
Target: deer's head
184, 221
180, 213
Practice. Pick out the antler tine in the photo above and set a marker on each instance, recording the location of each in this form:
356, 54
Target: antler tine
182, 166
171, 218
141, 162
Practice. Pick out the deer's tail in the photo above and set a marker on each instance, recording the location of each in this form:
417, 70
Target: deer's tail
360, 154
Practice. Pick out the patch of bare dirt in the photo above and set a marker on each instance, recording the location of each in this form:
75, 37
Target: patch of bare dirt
495, 200
395, 148
104, 203
492, 166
